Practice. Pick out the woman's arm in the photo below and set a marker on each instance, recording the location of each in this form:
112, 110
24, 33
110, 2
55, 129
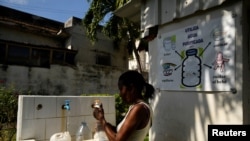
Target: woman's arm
135, 120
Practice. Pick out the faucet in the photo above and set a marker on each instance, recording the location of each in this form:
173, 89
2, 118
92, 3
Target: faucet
66, 105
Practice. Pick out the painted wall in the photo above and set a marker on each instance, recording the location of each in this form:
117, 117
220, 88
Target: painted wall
185, 115
40, 117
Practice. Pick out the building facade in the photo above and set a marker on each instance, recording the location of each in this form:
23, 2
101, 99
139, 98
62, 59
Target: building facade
46, 57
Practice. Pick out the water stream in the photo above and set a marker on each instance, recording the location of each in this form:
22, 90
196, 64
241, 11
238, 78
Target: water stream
67, 119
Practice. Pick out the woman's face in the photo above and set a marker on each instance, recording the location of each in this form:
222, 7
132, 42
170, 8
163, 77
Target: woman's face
126, 94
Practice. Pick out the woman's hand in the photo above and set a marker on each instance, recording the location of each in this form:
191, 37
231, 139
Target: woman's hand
98, 113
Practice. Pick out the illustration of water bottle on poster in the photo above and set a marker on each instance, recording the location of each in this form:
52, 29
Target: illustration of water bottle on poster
199, 57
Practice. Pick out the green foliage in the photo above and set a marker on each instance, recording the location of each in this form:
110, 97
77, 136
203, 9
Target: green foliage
96, 13
8, 113
146, 138
115, 27
121, 108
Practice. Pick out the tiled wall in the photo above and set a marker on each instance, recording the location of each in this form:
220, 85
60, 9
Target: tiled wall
39, 117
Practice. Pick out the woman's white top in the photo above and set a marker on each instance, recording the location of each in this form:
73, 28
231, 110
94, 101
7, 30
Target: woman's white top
138, 135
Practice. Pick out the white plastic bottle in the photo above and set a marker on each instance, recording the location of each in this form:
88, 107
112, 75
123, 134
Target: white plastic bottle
83, 133
100, 134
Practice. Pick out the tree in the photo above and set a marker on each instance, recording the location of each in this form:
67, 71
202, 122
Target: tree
115, 27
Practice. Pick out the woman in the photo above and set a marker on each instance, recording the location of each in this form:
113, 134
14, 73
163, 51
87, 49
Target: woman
136, 123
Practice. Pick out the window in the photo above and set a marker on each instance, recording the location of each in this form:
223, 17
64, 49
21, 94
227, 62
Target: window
63, 57
2, 52
18, 55
103, 59
36, 56
40, 58
70, 58
58, 57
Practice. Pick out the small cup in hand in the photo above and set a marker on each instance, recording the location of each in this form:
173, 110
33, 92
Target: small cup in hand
96, 104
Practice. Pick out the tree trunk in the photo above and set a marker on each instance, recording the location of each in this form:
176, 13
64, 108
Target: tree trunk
137, 56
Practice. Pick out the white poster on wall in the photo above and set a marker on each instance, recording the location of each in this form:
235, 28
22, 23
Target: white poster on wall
199, 57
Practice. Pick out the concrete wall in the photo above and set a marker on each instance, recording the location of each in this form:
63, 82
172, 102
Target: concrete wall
39, 117
62, 80
185, 116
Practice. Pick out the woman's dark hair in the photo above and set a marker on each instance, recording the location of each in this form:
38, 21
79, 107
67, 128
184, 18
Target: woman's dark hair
134, 77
